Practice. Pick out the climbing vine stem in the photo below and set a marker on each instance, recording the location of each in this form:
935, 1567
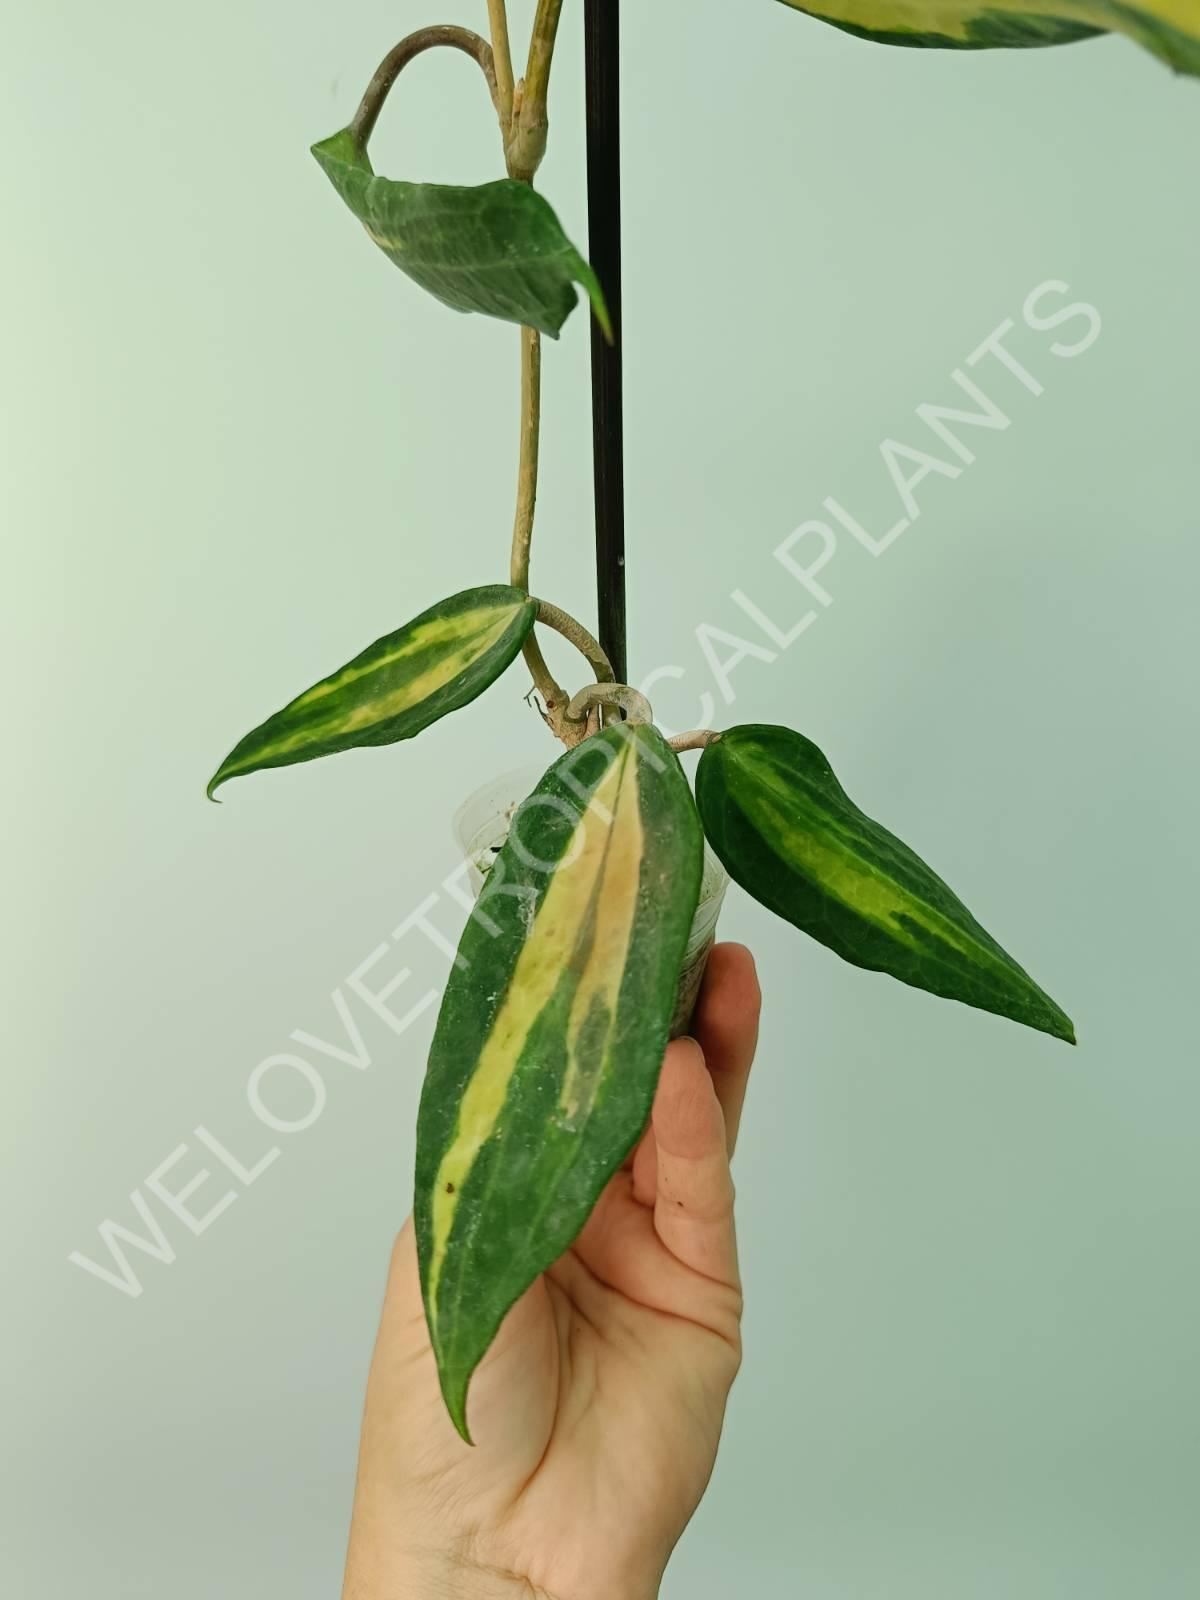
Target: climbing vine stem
527, 143
524, 145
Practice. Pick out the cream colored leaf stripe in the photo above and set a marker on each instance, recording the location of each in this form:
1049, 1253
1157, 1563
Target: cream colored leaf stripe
459, 642
589, 907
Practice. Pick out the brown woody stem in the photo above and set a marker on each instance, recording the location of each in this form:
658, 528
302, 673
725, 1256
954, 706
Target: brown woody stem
699, 739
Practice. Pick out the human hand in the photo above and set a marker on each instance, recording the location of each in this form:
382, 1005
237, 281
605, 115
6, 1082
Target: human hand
598, 1409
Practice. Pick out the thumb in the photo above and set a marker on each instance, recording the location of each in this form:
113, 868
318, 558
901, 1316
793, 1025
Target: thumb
693, 1202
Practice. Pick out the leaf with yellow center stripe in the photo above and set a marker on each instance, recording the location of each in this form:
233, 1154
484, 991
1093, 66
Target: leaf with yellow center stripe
551, 1033
497, 248
397, 686
788, 832
1169, 29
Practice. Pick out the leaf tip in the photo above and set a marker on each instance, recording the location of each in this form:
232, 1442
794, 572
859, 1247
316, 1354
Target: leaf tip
591, 284
215, 782
453, 1378
600, 312
454, 1393
1057, 1024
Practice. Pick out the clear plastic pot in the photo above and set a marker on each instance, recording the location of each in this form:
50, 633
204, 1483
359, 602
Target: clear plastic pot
481, 826
713, 884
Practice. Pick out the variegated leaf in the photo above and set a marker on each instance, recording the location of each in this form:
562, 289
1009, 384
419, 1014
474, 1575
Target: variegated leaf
788, 832
397, 686
497, 248
551, 1032
1169, 29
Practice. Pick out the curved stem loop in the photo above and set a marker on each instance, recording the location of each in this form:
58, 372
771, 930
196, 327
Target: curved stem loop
635, 706
390, 68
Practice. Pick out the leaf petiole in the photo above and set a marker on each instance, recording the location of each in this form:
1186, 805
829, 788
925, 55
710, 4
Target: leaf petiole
393, 64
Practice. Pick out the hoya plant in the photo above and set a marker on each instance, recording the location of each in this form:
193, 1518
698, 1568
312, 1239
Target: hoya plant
558, 1008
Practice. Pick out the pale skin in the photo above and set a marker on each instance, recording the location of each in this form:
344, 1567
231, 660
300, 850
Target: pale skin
598, 1410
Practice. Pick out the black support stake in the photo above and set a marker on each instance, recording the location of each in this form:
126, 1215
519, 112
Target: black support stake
601, 46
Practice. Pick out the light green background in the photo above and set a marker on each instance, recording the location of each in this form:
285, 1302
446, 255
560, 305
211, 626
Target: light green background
238, 446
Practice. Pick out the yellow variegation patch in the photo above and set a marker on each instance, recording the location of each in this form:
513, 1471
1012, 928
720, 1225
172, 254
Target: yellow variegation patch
836, 859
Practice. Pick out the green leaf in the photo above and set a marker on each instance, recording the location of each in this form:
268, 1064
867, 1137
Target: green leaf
497, 248
788, 832
1169, 29
397, 686
551, 1033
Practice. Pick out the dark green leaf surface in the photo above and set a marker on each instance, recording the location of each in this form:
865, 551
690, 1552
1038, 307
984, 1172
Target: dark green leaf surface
397, 686
788, 832
497, 248
1169, 29
551, 1032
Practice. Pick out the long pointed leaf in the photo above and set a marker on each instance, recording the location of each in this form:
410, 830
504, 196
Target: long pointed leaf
1169, 29
497, 248
397, 686
551, 1032
788, 832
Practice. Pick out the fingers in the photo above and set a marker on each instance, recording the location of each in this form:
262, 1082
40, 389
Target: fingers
726, 1027
693, 1189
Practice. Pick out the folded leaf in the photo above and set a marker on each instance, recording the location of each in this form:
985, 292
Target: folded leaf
788, 832
1169, 29
551, 1033
497, 248
397, 686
